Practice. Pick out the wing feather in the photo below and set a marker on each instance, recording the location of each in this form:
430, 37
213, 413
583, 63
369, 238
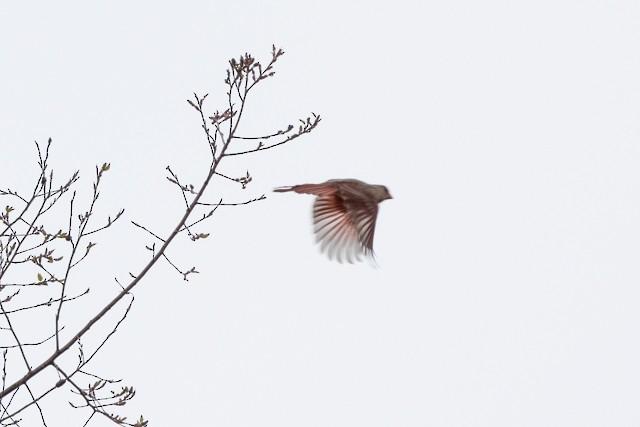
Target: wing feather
344, 229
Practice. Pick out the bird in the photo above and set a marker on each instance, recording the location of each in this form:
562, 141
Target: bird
344, 216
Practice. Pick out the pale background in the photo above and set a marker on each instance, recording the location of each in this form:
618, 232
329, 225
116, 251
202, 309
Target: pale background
507, 132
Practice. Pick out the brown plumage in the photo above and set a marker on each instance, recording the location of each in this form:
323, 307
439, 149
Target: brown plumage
344, 216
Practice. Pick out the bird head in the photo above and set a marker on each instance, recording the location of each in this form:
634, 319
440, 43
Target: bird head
382, 193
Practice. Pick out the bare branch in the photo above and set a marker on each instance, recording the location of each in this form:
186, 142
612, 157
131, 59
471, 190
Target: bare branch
48, 258
148, 231
307, 126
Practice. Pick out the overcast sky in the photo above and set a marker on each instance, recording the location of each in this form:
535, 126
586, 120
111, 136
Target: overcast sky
508, 133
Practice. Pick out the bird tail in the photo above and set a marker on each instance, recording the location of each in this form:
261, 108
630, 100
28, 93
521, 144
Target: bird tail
315, 189
282, 189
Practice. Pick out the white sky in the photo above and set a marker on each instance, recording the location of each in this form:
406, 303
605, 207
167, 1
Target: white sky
507, 132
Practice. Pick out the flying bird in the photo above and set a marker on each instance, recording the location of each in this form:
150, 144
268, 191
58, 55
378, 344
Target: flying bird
344, 216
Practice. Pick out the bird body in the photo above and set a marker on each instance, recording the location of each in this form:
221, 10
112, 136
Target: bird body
344, 215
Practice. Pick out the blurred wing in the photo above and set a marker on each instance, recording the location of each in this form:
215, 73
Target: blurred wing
363, 210
364, 218
344, 230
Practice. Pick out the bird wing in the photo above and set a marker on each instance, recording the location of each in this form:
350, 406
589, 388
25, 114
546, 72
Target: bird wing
344, 226
363, 210
334, 230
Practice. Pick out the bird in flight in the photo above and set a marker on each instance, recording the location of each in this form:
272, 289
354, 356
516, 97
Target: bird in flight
344, 216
